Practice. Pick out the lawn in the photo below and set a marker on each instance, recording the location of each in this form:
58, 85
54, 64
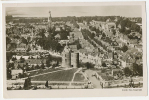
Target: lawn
64, 75
79, 77
42, 71
105, 77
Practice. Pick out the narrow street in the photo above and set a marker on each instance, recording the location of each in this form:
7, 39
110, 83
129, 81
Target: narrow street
93, 79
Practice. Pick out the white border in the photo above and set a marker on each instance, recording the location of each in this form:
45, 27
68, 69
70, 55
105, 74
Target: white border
91, 92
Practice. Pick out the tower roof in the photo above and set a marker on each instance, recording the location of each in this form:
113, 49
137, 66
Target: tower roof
66, 48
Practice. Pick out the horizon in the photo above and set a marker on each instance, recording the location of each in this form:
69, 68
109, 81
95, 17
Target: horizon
77, 11
68, 16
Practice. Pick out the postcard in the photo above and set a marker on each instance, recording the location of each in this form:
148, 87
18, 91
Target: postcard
74, 49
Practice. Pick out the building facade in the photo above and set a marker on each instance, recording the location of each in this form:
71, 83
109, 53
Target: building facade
69, 58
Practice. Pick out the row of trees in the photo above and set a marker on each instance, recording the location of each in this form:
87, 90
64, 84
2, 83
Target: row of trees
51, 58
87, 65
126, 26
134, 70
104, 38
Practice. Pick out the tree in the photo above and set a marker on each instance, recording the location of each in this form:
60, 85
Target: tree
127, 32
64, 35
20, 75
114, 31
137, 69
27, 83
22, 60
103, 35
28, 39
59, 48
41, 33
27, 67
123, 25
92, 28
140, 70
37, 66
89, 65
130, 37
46, 84
104, 64
14, 58
135, 27
103, 70
28, 49
8, 40
124, 48
19, 67
97, 31
9, 73
48, 60
33, 67
92, 35
127, 71
57, 63
24, 41
42, 66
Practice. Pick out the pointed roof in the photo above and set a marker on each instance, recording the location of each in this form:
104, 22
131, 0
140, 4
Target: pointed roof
66, 48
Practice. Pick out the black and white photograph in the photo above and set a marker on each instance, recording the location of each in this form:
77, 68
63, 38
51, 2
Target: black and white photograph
74, 47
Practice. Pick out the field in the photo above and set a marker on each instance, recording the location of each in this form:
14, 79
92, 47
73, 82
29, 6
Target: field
64, 75
79, 77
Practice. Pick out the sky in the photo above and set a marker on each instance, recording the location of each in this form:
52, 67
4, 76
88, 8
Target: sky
59, 11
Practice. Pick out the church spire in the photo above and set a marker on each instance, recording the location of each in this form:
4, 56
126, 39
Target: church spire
49, 21
49, 17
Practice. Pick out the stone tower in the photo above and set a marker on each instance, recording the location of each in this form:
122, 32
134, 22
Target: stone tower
70, 58
66, 57
75, 60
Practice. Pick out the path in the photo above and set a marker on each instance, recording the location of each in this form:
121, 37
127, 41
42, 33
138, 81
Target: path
74, 76
93, 79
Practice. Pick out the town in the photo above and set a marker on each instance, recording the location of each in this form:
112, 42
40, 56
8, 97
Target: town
88, 52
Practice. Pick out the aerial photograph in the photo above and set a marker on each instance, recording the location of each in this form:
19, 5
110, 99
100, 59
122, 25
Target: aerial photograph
74, 47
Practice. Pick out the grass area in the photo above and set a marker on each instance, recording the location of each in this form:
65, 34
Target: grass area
79, 77
43, 71
105, 77
65, 75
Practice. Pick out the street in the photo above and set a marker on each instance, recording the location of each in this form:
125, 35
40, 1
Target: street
93, 79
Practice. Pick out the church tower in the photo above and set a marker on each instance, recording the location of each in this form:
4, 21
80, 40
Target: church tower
49, 21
